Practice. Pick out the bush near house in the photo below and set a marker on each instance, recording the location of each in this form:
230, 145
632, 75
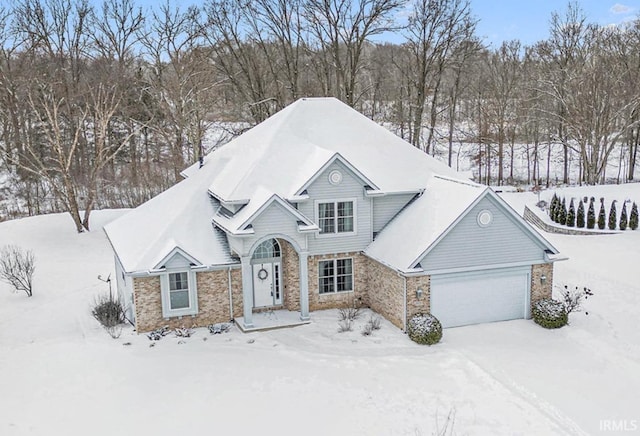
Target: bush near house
424, 328
550, 314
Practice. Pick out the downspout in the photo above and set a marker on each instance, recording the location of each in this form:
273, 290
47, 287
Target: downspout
230, 294
404, 312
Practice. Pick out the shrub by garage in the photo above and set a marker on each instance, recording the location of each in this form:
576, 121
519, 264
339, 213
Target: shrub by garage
424, 328
550, 314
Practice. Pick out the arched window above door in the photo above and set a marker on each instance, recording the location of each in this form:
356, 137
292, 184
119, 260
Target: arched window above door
267, 250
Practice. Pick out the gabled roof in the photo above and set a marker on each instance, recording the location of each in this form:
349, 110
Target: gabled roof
240, 223
427, 220
285, 151
337, 158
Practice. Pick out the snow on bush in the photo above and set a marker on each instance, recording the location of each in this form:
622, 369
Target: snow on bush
550, 314
218, 328
158, 334
424, 329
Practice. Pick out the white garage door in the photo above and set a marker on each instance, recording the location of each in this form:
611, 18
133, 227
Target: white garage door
484, 296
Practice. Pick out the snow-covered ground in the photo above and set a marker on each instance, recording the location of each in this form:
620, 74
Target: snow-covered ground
61, 374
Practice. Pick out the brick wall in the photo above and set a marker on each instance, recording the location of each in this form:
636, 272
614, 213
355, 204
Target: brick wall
386, 292
359, 296
213, 301
146, 294
290, 275
415, 304
539, 290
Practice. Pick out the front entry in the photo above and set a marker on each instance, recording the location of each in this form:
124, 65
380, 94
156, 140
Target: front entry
267, 274
266, 284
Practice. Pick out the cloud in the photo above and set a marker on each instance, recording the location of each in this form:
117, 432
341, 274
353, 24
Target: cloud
620, 9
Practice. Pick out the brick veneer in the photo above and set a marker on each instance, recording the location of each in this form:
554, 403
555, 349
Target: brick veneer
290, 275
539, 290
386, 292
359, 296
375, 286
213, 301
415, 304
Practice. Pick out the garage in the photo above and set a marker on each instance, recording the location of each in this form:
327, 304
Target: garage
459, 299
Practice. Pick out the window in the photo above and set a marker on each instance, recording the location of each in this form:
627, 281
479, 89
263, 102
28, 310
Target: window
335, 275
336, 217
179, 294
178, 291
268, 249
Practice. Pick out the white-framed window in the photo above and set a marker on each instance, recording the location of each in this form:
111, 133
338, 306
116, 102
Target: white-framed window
337, 216
179, 293
335, 275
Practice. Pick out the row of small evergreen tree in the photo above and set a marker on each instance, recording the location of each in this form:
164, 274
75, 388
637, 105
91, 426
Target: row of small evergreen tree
572, 217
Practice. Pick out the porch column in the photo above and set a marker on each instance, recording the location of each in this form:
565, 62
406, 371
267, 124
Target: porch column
304, 286
247, 291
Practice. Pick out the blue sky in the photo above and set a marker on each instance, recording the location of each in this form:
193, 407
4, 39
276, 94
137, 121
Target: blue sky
528, 20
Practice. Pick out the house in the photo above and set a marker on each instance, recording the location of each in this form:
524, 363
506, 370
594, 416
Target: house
318, 207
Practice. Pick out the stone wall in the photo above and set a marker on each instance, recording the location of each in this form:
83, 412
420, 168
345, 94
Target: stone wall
359, 296
534, 219
213, 301
386, 292
539, 290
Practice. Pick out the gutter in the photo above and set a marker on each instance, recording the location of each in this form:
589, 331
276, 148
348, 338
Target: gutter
230, 294
404, 313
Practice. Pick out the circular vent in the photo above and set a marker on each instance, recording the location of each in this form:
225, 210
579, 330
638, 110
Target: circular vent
484, 218
335, 177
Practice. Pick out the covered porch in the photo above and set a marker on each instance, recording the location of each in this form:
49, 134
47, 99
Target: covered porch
274, 285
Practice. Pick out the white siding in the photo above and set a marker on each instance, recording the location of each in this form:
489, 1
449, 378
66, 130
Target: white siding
470, 245
351, 187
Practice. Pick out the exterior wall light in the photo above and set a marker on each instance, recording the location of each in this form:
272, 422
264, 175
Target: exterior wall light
543, 279
419, 293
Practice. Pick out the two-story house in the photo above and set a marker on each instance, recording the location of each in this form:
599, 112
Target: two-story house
319, 207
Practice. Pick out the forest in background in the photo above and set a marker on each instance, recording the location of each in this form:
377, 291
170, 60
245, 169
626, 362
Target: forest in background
104, 105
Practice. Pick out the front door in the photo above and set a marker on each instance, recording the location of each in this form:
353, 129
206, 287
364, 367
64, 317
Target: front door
266, 284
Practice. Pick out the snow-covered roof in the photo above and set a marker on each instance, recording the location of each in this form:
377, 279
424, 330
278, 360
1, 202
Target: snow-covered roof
275, 161
262, 198
284, 151
423, 221
180, 217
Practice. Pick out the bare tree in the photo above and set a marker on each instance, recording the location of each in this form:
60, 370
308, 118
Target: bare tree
17, 267
434, 31
178, 81
503, 80
340, 30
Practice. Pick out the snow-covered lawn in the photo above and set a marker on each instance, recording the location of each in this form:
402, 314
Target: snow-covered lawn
61, 374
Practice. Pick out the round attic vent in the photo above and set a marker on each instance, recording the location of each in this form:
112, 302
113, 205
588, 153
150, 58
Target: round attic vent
484, 218
335, 177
